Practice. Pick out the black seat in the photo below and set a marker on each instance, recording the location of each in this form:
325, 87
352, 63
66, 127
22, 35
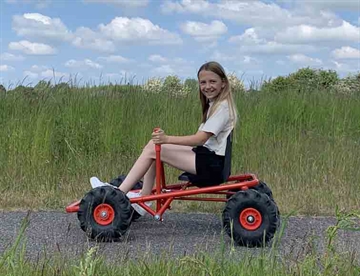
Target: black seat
227, 161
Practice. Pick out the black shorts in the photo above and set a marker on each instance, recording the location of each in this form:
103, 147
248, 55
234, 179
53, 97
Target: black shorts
209, 168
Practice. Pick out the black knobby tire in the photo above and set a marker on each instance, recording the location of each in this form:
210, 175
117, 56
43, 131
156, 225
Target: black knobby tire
135, 215
113, 199
117, 181
241, 202
261, 188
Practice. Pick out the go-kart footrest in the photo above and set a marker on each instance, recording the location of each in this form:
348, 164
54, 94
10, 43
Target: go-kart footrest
184, 176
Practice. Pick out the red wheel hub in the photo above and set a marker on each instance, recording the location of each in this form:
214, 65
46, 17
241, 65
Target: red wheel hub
250, 219
104, 214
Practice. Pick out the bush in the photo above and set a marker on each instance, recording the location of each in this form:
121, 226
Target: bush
23, 90
348, 86
42, 85
63, 86
173, 86
2, 89
235, 84
42, 89
153, 85
191, 84
278, 84
327, 79
304, 79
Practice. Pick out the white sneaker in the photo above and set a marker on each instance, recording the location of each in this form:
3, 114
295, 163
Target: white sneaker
136, 206
95, 182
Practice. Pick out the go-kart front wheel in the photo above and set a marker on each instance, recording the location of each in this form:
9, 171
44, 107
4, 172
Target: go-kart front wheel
250, 218
105, 214
138, 186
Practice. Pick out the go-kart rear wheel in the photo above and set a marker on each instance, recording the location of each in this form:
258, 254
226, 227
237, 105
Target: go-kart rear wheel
250, 218
105, 214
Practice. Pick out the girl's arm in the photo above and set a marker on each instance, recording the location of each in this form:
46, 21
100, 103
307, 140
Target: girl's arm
197, 139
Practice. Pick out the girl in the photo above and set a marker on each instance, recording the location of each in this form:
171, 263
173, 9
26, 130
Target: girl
201, 154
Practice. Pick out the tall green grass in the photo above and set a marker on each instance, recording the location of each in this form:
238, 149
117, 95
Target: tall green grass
305, 146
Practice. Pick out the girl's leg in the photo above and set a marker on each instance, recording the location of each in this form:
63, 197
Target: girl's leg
149, 179
180, 157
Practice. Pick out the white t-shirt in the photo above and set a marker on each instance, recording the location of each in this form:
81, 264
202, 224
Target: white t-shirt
220, 125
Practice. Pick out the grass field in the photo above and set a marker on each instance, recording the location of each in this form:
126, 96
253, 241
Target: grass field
305, 146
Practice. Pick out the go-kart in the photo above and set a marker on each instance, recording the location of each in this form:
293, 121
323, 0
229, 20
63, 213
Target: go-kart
250, 216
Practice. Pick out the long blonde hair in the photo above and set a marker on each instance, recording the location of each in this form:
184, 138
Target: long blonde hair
225, 94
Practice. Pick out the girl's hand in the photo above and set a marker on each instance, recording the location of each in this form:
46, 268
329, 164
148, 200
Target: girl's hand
159, 137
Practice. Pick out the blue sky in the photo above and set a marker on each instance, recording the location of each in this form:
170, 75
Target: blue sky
140, 39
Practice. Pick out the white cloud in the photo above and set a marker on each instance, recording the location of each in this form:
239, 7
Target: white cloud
86, 38
307, 33
6, 68
170, 66
123, 77
11, 57
250, 36
194, 6
124, 29
235, 58
160, 59
254, 13
348, 5
346, 67
179, 61
49, 73
36, 25
250, 60
274, 48
304, 60
202, 31
41, 71
157, 58
122, 3
30, 74
38, 3
165, 69
250, 42
346, 52
83, 64
115, 59
217, 55
30, 48
38, 68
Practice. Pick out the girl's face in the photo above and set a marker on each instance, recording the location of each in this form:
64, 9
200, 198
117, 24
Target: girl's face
210, 84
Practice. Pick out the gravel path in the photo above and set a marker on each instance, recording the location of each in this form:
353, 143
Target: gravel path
179, 234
